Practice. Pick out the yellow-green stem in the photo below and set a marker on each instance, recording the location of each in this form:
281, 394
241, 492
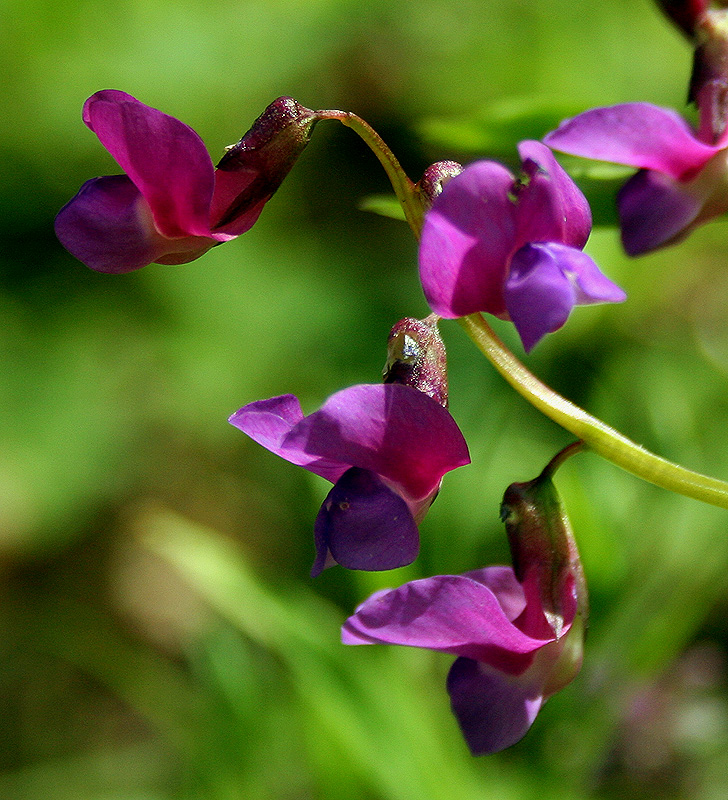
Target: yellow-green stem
599, 437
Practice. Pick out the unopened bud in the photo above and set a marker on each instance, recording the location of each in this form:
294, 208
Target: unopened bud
416, 357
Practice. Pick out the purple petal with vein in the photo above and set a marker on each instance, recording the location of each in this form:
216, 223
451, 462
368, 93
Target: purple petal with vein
636, 134
269, 422
108, 227
393, 430
447, 613
504, 585
551, 208
363, 524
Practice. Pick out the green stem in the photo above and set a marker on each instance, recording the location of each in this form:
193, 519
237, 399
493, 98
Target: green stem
599, 437
403, 187
564, 454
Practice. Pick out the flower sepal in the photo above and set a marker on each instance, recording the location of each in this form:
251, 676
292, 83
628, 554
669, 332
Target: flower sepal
416, 357
543, 549
267, 153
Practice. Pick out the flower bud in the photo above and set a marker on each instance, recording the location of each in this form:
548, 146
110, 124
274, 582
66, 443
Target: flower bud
267, 153
416, 357
543, 548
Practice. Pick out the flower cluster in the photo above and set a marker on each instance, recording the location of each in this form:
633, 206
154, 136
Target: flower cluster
490, 242
511, 246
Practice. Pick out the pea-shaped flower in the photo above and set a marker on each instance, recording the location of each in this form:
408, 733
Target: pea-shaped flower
517, 633
385, 447
173, 205
512, 247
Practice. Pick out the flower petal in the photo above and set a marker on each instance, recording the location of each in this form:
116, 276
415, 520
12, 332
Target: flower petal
108, 226
396, 431
551, 207
269, 422
494, 711
590, 284
503, 583
545, 282
653, 211
636, 134
538, 295
447, 613
165, 159
363, 524
467, 237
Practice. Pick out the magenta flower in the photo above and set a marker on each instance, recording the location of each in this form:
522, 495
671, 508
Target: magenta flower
385, 447
172, 205
512, 247
509, 659
518, 633
682, 182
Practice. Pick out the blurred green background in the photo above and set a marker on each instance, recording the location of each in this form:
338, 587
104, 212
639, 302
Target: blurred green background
160, 636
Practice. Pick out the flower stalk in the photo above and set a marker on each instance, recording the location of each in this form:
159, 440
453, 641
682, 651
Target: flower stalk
596, 435
406, 191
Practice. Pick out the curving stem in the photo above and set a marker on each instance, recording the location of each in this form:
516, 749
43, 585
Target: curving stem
598, 436
403, 187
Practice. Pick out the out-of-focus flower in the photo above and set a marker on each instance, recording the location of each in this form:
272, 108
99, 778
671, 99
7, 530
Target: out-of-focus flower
384, 447
517, 633
682, 182
172, 205
512, 246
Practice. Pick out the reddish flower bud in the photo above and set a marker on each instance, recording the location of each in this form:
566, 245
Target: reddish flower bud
684, 13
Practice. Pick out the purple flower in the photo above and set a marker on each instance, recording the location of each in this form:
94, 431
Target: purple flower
172, 205
385, 447
517, 633
682, 182
512, 247
509, 660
